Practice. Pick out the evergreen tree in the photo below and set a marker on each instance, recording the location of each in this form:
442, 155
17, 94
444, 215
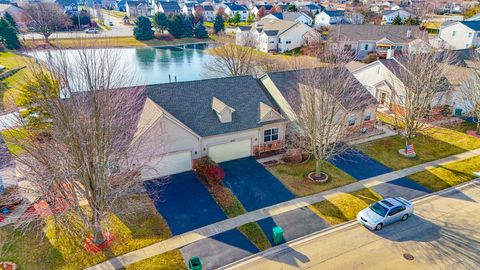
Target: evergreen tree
175, 25
160, 20
8, 35
250, 18
218, 24
188, 26
236, 18
143, 28
11, 21
200, 31
397, 20
291, 7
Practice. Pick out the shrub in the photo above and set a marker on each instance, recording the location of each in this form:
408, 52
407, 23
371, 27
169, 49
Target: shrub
165, 37
210, 171
293, 156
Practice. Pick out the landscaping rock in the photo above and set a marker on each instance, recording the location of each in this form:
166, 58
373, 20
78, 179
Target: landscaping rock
323, 178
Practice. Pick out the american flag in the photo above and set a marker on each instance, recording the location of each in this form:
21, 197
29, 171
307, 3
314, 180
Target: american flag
410, 149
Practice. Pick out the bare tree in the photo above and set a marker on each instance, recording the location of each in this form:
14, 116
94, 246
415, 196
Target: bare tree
418, 84
470, 94
325, 99
45, 18
231, 60
80, 161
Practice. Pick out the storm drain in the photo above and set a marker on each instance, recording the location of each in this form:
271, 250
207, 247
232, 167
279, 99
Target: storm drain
408, 256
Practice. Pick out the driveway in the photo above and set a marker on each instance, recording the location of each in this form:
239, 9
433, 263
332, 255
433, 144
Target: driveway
186, 204
362, 167
257, 188
443, 234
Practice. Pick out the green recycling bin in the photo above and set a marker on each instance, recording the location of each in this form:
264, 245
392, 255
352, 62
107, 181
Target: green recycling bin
458, 112
195, 263
277, 235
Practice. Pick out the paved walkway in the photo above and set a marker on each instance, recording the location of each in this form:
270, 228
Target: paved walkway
386, 133
223, 226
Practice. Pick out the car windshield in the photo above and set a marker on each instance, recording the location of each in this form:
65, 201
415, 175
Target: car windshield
379, 209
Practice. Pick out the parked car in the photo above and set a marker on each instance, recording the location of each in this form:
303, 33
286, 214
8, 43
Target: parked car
385, 212
110, 23
91, 31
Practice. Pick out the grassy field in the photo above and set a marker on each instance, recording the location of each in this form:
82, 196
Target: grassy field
227, 25
448, 175
294, 177
51, 250
13, 83
232, 208
345, 207
171, 260
114, 42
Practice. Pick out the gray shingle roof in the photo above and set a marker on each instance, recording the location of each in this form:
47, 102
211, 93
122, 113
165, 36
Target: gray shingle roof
395, 33
271, 33
190, 102
169, 6
335, 13
288, 82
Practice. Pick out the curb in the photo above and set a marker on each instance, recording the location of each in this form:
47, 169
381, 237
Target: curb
292, 243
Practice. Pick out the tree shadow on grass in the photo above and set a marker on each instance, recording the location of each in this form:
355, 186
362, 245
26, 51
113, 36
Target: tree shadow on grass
331, 212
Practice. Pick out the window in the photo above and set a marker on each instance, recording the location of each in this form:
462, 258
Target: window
270, 135
288, 42
352, 120
454, 33
367, 116
470, 35
396, 210
366, 47
399, 48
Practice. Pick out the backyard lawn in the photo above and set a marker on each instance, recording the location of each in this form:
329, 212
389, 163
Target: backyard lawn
51, 251
448, 175
344, 207
294, 177
13, 83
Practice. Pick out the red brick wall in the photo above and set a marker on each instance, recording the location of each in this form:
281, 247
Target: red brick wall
265, 147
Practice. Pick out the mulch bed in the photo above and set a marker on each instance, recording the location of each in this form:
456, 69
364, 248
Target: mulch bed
318, 179
90, 246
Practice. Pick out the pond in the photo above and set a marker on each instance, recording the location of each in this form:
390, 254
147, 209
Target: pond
160, 65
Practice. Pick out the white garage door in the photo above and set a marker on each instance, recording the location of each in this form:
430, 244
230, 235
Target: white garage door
168, 164
229, 151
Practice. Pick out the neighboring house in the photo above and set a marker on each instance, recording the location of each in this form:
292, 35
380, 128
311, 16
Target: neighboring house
189, 8
232, 9
121, 6
168, 7
209, 12
312, 9
389, 15
224, 119
382, 80
368, 38
460, 35
292, 16
15, 11
254, 10
137, 9
330, 17
274, 35
285, 89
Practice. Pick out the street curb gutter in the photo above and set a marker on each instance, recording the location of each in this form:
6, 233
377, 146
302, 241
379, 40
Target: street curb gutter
285, 247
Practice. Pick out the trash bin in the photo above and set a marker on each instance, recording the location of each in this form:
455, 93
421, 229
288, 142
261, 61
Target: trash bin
458, 112
195, 263
277, 235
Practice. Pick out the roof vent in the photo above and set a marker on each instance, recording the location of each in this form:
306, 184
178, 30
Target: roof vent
224, 112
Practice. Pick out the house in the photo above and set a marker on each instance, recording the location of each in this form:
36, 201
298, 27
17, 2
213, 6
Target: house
137, 9
209, 12
310, 8
254, 10
284, 88
189, 8
382, 79
232, 9
292, 16
329, 17
460, 35
167, 7
368, 38
389, 15
274, 35
224, 119
121, 6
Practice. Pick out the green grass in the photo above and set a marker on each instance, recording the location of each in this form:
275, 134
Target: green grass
52, 250
294, 177
448, 175
13, 83
227, 25
232, 208
171, 260
344, 207
12, 137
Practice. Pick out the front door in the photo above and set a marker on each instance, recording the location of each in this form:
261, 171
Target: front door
383, 98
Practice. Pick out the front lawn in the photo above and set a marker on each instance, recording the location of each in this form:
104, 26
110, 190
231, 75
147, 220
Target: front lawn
345, 207
13, 83
448, 175
171, 260
294, 177
52, 250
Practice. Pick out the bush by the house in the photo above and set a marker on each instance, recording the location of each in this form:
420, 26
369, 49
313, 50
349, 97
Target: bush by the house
143, 29
210, 171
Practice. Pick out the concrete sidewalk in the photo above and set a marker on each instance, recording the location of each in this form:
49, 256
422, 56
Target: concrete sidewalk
223, 226
441, 235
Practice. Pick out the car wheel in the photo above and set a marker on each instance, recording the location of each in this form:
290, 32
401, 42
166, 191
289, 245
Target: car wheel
405, 217
379, 226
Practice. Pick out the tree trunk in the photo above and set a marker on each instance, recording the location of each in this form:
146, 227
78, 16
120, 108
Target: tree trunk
46, 39
318, 167
478, 127
97, 230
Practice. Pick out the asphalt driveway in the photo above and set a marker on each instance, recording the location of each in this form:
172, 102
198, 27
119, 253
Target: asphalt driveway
186, 204
257, 188
362, 167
